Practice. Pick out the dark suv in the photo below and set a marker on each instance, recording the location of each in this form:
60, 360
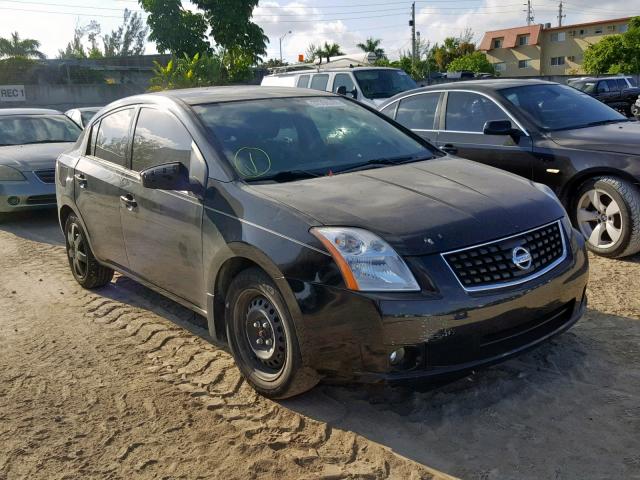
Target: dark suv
619, 93
586, 152
318, 238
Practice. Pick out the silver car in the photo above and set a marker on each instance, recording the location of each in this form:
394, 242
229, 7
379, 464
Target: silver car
83, 115
30, 141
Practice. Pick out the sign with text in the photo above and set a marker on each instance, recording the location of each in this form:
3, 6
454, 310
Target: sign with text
12, 93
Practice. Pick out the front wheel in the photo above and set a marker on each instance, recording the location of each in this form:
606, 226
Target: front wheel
606, 210
262, 337
84, 266
635, 111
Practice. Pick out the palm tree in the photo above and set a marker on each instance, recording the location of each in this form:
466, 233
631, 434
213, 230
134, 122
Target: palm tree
328, 51
372, 45
16, 47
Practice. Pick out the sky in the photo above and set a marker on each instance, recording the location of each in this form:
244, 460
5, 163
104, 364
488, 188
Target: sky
314, 21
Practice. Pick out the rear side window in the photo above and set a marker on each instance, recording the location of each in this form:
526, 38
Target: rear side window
303, 81
468, 112
112, 137
418, 112
159, 138
319, 82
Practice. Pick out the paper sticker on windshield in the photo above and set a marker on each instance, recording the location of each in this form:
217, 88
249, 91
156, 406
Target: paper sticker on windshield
324, 102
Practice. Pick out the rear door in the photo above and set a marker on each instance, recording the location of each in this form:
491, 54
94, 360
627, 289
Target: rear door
419, 113
462, 134
162, 229
99, 176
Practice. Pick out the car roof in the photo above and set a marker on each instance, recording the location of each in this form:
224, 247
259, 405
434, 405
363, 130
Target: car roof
85, 109
328, 70
592, 79
28, 111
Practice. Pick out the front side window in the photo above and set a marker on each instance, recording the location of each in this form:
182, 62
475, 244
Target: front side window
343, 80
112, 137
266, 139
319, 82
383, 83
303, 81
468, 112
603, 87
418, 112
159, 138
612, 84
27, 129
559, 107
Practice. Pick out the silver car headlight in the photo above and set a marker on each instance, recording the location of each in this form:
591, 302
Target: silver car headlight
10, 174
367, 262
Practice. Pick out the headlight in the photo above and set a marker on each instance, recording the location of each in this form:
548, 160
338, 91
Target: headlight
10, 174
367, 262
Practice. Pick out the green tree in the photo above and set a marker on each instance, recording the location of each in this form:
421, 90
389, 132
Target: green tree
329, 50
475, 62
372, 45
16, 47
186, 72
452, 48
311, 53
175, 29
128, 39
615, 53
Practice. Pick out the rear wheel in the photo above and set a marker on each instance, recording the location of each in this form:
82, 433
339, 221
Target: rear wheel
262, 337
84, 266
607, 213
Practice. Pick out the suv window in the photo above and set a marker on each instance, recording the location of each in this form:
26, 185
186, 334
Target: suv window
622, 84
418, 112
159, 138
612, 84
113, 136
602, 87
343, 80
468, 112
319, 82
303, 81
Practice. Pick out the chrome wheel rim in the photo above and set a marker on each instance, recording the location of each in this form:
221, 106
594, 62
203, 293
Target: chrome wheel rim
599, 218
265, 335
77, 251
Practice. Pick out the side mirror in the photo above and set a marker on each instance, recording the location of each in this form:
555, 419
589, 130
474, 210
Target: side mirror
342, 90
170, 176
500, 127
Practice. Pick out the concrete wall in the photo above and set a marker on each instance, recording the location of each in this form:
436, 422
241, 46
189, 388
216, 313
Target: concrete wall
64, 97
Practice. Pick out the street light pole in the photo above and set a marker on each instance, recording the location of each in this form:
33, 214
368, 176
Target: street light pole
282, 38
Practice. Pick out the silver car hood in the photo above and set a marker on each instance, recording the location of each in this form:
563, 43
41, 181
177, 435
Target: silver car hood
27, 158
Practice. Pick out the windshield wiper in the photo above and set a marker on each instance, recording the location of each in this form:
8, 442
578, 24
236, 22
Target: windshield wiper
47, 141
605, 122
285, 176
381, 162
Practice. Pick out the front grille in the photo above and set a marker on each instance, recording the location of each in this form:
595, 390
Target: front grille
491, 265
47, 176
41, 199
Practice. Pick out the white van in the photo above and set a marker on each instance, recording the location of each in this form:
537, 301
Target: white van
369, 85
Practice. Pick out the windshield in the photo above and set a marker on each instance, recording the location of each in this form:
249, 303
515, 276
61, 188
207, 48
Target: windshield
87, 115
25, 129
265, 139
383, 83
558, 107
588, 86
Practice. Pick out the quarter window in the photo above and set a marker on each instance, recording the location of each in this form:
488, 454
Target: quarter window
113, 136
159, 138
468, 112
319, 82
418, 112
303, 81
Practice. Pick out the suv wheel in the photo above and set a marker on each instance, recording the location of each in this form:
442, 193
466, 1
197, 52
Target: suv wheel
84, 266
635, 110
262, 337
607, 212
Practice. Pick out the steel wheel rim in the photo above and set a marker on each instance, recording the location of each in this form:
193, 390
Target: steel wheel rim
76, 249
599, 218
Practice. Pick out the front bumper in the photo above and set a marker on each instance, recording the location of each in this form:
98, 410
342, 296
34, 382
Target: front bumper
30, 194
349, 335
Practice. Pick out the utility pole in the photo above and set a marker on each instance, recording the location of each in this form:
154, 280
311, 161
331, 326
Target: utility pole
412, 24
530, 18
560, 14
282, 38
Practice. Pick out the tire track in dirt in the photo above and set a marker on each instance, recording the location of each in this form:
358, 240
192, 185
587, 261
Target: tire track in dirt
274, 439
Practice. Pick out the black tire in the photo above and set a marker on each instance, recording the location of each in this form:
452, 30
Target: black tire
254, 299
627, 197
635, 111
87, 271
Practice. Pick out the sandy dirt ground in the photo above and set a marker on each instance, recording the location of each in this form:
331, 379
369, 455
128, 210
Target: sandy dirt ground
122, 383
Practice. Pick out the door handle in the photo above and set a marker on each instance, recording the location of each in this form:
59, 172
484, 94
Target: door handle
449, 148
82, 180
129, 201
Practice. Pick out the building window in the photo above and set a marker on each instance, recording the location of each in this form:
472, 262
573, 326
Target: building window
523, 40
524, 63
500, 67
623, 28
572, 33
582, 32
598, 31
571, 58
557, 61
497, 43
611, 28
558, 37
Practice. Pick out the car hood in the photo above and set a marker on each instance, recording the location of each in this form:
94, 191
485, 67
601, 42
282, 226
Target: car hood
27, 158
616, 137
425, 207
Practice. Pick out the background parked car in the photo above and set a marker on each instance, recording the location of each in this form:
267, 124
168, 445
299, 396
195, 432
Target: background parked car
619, 93
30, 141
82, 115
369, 85
586, 152
319, 238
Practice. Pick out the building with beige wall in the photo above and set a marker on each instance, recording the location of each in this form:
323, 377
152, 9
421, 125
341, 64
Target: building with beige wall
545, 50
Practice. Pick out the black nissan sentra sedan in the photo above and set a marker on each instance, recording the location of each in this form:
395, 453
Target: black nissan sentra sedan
588, 153
320, 239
